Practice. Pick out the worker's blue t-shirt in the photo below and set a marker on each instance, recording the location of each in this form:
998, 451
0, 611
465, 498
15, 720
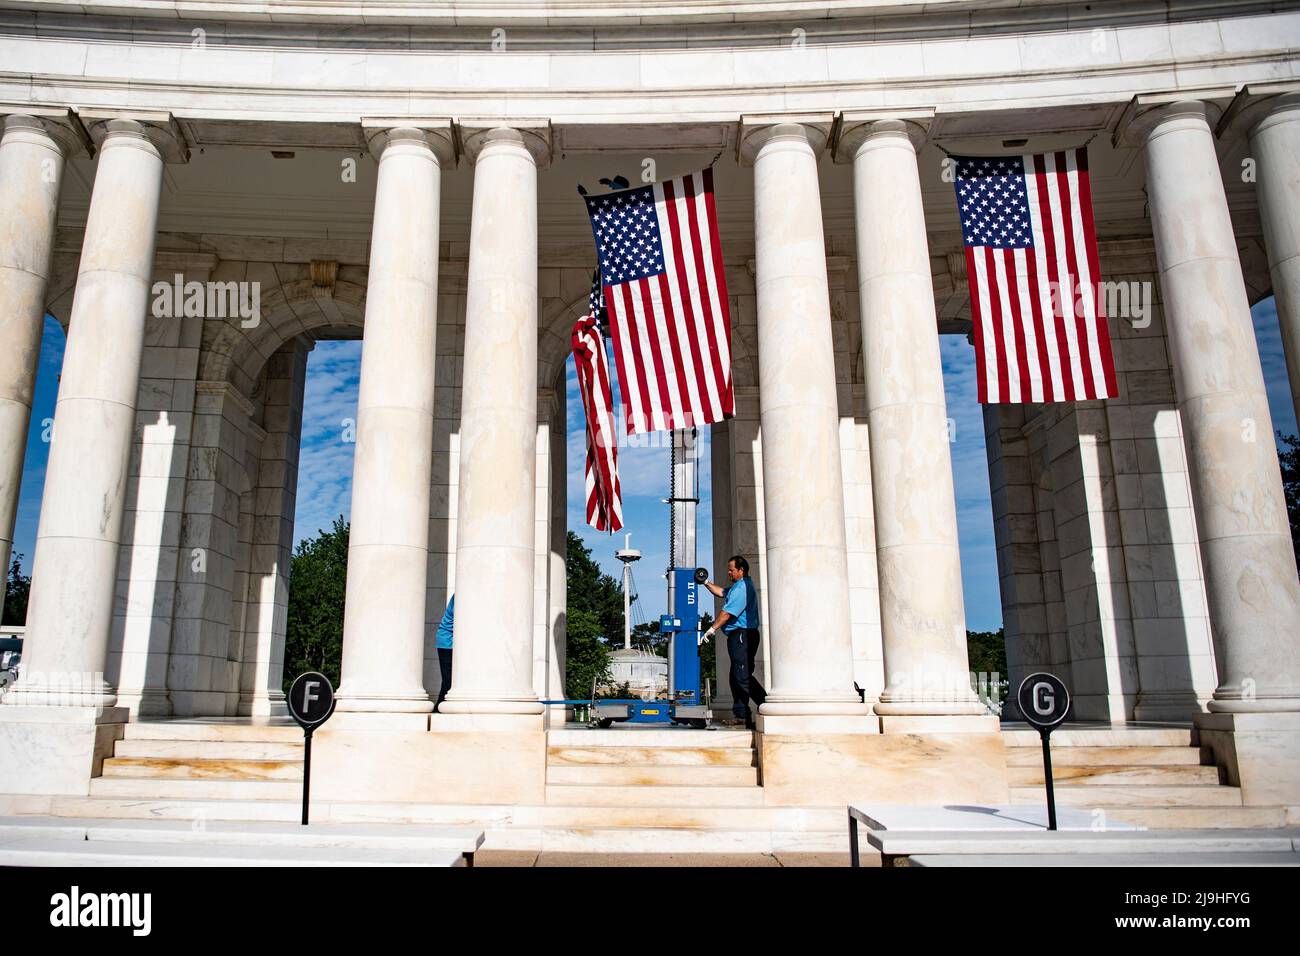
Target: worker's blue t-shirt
742, 605
444, 629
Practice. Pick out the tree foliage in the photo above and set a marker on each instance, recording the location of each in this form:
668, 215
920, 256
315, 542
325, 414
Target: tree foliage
1290, 462
987, 652
317, 584
17, 589
594, 620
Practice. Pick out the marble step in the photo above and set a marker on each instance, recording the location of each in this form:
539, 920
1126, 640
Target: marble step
1118, 775
1197, 860
243, 833
1110, 737
1106, 756
179, 730
659, 796
175, 768
654, 776
639, 737
651, 756
155, 788
680, 840
210, 749
1098, 795
689, 817
1180, 818
69, 853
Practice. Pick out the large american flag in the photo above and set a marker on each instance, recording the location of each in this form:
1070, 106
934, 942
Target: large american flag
1031, 263
604, 492
661, 268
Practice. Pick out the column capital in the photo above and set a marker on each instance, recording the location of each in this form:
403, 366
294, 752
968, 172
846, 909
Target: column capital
159, 127
758, 129
1146, 111
1258, 105
60, 125
535, 135
852, 130
434, 132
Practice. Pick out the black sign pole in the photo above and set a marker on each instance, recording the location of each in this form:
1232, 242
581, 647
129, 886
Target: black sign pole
1045, 733
306, 775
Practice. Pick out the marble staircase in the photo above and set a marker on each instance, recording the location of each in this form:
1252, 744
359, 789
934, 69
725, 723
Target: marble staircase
1154, 776
627, 790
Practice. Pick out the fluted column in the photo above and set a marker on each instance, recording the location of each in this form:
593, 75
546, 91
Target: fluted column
1275, 146
495, 549
922, 615
384, 628
807, 633
75, 571
32, 154
1250, 568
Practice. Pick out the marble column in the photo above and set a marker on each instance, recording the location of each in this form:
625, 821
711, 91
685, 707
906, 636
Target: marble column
1275, 146
1250, 568
384, 628
495, 549
922, 616
70, 613
32, 154
807, 633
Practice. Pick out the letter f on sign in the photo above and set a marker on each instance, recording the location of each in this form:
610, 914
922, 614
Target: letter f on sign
309, 694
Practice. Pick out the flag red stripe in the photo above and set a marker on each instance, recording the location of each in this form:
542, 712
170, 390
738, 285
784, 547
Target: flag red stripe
640, 288
627, 318
995, 321
1094, 266
977, 327
688, 308
1008, 257
1059, 303
1040, 331
702, 275
720, 282
1072, 276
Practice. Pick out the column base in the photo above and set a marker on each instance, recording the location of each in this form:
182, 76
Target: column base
810, 768
56, 750
451, 759
383, 704
1259, 752
150, 702
815, 724
776, 706
490, 705
273, 704
940, 724
1171, 708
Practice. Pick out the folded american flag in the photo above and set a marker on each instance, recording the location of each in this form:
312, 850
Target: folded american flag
604, 493
662, 273
1031, 263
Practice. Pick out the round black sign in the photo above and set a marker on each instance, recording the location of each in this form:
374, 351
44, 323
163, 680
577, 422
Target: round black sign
1043, 700
311, 699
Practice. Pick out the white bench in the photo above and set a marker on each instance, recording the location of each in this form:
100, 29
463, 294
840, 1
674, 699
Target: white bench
1110, 859
967, 818
375, 838
896, 846
53, 851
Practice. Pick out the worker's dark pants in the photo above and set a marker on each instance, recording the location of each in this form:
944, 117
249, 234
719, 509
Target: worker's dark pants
444, 665
742, 645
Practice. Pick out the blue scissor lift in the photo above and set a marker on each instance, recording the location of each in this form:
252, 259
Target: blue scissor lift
685, 703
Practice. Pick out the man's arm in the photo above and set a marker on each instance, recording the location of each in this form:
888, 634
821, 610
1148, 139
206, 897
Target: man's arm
723, 618
714, 589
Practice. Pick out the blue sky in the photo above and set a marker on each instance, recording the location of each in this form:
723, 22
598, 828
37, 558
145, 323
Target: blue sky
325, 466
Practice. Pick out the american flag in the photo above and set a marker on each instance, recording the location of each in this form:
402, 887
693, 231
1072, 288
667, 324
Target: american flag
1031, 263
661, 269
604, 493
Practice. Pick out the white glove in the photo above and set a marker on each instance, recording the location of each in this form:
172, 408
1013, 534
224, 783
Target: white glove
704, 637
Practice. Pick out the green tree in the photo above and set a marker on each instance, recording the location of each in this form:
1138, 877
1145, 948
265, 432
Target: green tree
591, 590
987, 652
587, 659
1290, 462
15, 607
317, 584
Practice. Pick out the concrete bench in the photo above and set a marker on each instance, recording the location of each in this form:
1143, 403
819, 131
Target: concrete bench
329, 836
1108, 859
966, 818
53, 851
896, 846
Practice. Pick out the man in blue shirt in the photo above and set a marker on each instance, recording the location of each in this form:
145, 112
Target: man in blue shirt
739, 621
444, 650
